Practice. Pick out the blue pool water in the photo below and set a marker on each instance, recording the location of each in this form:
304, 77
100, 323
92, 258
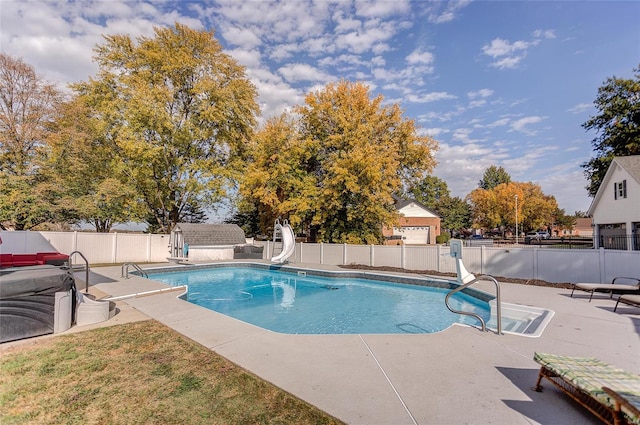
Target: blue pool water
296, 304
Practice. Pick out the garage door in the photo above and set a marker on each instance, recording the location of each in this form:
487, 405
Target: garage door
415, 235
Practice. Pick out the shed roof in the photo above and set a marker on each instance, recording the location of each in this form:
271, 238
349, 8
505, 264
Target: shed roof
203, 234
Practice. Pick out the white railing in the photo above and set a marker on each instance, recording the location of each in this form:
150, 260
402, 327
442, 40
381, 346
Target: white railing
523, 262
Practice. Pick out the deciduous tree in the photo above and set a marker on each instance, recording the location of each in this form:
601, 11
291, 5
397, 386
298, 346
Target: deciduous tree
85, 171
497, 207
617, 126
177, 113
336, 162
27, 107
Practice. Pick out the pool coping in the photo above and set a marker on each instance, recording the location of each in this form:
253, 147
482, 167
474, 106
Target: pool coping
459, 375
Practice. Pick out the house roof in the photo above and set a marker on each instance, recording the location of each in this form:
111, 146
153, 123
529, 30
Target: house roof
631, 164
401, 203
203, 234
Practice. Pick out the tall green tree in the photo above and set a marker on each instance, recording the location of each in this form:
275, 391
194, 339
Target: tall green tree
617, 126
430, 191
494, 176
336, 163
433, 193
27, 107
177, 112
562, 221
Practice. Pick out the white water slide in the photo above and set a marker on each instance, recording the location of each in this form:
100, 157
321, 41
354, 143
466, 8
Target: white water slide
288, 242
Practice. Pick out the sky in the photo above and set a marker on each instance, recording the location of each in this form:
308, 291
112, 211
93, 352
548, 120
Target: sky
504, 83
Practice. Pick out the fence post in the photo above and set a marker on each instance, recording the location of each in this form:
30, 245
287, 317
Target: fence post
148, 247
482, 259
75, 241
344, 254
536, 253
402, 256
438, 253
114, 248
602, 264
321, 252
371, 256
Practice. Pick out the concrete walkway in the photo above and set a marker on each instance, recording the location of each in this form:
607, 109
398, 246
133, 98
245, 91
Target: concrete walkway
458, 376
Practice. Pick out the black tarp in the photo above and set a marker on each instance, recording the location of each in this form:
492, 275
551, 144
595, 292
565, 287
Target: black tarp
27, 300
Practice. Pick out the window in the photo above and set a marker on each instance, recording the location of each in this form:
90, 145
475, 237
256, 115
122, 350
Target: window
620, 190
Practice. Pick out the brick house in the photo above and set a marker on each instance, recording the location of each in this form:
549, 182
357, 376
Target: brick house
418, 225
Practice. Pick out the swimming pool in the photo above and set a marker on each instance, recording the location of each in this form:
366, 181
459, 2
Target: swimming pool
298, 302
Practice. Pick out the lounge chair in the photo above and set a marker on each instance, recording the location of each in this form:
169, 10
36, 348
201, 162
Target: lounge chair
630, 285
611, 394
628, 299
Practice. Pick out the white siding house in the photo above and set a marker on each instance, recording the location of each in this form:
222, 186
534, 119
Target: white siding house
615, 209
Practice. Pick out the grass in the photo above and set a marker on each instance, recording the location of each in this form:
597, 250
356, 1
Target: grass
139, 373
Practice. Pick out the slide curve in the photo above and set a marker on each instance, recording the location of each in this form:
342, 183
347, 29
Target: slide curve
288, 244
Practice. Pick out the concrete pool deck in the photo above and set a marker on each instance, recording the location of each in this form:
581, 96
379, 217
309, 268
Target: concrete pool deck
458, 376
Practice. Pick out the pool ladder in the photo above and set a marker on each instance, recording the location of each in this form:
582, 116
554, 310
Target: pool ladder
468, 313
124, 271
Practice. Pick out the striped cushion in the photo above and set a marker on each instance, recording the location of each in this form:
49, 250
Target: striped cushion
590, 375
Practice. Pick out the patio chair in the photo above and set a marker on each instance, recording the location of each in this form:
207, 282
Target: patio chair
611, 394
628, 299
630, 285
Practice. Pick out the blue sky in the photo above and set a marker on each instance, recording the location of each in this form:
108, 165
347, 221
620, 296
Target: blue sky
496, 83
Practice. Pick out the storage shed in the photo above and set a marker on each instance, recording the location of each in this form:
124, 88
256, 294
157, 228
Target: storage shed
204, 242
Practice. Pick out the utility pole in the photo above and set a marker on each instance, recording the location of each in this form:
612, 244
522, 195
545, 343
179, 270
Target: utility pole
516, 219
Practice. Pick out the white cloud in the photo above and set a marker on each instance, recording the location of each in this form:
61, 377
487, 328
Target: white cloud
463, 135
381, 9
549, 34
429, 97
245, 38
508, 63
436, 131
479, 93
580, 108
297, 72
499, 123
451, 8
508, 55
420, 57
521, 124
500, 47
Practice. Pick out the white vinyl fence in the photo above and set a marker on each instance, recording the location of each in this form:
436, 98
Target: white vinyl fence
98, 248
526, 262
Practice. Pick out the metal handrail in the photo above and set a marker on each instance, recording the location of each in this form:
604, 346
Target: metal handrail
86, 268
124, 270
468, 313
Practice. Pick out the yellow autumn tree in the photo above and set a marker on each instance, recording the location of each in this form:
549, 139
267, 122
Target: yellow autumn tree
496, 207
177, 112
334, 164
